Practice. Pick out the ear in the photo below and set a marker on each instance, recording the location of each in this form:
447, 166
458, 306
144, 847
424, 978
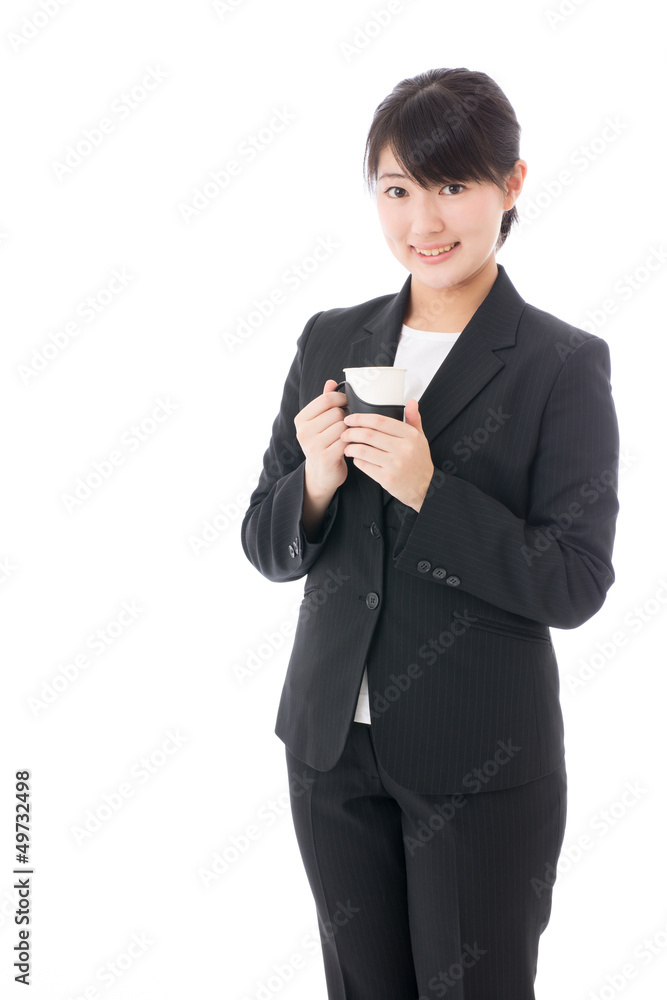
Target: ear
514, 183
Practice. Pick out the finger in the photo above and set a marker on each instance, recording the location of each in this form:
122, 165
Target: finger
371, 441
326, 401
325, 418
378, 422
363, 453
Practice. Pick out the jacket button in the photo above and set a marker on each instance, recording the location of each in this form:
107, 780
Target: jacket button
439, 572
291, 551
453, 581
372, 600
375, 531
424, 566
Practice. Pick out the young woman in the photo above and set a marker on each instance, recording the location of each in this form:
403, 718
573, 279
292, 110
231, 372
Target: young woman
420, 710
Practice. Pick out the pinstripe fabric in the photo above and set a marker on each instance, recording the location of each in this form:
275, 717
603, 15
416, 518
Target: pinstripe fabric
515, 535
423, 896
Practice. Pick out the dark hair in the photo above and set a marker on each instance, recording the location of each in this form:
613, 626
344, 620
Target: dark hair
447, 125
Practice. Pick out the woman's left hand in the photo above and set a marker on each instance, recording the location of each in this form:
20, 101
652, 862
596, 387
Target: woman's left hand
396, 454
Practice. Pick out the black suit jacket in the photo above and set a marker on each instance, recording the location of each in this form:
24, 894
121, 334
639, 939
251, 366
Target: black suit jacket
449, 606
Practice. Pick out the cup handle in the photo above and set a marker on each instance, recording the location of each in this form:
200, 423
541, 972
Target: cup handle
339, 388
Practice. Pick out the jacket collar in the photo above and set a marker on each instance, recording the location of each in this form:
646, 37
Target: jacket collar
470, 363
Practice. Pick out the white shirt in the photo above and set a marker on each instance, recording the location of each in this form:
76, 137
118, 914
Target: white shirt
421, 352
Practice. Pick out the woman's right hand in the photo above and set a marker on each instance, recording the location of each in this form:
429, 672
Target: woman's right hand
319, 426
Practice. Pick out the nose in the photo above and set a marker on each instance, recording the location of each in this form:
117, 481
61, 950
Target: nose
427, 219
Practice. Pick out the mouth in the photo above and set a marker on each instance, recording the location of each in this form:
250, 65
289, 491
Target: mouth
437, 253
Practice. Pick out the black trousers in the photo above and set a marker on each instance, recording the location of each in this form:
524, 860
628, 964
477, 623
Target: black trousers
425, 896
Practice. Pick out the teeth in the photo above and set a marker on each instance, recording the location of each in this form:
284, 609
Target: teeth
434, 253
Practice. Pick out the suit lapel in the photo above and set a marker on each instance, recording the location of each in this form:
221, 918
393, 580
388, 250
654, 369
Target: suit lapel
469, 366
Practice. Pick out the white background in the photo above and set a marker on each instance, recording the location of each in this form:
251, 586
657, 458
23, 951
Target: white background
162, 343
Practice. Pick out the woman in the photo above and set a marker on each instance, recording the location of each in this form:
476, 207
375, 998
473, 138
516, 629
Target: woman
420, 710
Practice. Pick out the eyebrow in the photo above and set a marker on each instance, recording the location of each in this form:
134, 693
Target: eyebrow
391, 175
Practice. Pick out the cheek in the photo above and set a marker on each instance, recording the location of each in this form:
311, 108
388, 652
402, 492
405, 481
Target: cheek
394, 215
388, 222
482, 217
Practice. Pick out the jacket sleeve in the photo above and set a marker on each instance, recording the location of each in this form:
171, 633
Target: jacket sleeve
272, 534
555, 565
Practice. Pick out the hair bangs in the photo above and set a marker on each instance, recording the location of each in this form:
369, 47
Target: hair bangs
437, 150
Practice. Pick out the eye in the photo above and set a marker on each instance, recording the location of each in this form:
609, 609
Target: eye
447, 187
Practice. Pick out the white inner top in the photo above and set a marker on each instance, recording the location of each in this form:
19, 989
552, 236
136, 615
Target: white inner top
421, 352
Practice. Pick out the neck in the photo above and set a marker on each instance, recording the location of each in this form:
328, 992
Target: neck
449, 309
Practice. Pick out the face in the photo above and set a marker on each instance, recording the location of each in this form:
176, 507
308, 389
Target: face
464, 217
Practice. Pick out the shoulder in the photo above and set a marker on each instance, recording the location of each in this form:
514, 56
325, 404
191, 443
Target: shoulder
342, 324
548, 334
358, 313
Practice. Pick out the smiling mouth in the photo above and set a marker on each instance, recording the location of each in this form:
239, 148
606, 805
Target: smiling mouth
438, 251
